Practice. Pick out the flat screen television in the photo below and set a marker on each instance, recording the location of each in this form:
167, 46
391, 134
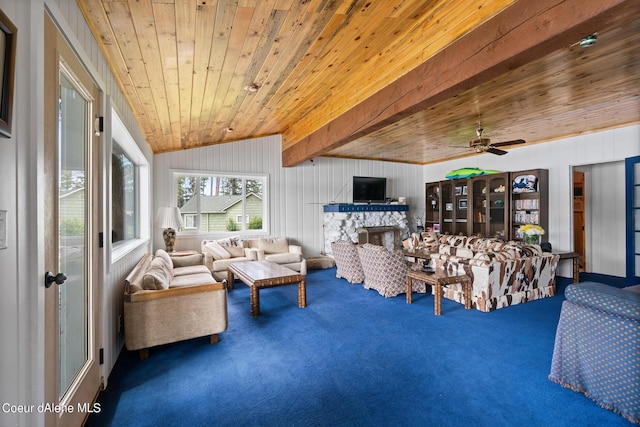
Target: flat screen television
369, 189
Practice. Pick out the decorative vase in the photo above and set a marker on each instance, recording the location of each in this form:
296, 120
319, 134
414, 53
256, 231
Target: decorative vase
532, 239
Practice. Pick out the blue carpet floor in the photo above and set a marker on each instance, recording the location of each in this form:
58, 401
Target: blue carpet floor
354, 358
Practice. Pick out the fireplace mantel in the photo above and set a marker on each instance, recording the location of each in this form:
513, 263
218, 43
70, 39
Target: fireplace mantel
340, 207
342, 221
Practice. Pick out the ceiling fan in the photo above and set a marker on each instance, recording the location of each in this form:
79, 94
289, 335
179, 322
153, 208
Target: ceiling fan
482, 145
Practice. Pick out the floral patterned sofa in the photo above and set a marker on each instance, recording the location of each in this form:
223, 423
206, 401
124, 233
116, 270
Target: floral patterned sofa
503, 273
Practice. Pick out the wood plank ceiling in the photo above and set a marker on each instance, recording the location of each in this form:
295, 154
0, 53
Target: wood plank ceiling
319, 69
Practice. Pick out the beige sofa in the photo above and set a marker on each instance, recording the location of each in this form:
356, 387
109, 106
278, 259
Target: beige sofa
168, 300
218, 254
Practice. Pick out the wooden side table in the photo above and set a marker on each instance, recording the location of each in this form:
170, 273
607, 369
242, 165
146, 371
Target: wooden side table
438, 279
419, 254
576, 263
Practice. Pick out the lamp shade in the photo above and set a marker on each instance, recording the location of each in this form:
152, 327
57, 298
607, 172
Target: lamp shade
168, 217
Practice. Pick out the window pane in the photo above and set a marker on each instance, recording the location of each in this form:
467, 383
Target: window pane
123, 186
254, 203
187, 200
219, 203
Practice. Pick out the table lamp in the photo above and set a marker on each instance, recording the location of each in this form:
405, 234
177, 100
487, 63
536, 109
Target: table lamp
169, 218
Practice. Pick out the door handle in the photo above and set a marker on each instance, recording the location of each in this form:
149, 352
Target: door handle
49, 278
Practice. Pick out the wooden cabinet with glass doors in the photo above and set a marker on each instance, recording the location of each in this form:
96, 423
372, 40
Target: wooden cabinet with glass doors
432, 210
453, 209
494, 205
529, 200
446, 207
489, 201
461, 206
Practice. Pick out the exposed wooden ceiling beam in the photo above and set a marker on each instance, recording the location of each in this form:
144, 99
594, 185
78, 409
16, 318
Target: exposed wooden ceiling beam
522, 33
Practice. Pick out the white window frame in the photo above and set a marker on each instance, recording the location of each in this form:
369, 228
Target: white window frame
120, 135
193, 222
175, 173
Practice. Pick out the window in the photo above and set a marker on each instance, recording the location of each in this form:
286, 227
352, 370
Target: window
189, 221
124, 185
129, 190
220, 203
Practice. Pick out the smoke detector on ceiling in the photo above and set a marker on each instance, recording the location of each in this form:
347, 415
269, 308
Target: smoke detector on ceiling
253, 87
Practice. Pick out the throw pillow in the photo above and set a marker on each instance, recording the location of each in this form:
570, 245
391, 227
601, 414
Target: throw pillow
166, 259
274, 246
216, 250
233, 245
156, 276
235, 251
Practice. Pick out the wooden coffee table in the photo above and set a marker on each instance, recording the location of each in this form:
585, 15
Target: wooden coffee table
265, 274
438, 279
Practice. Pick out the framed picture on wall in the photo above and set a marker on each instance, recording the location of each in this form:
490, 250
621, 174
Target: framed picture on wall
8, 43
462, 204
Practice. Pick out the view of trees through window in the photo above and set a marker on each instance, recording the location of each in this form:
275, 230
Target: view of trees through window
123, 200
217, 203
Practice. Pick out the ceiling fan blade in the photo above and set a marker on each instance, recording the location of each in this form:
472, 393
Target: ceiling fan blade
479, 142
493, 150
505, 143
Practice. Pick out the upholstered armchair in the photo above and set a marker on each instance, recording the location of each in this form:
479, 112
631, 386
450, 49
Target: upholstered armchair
597, 347
348, 265
385, 271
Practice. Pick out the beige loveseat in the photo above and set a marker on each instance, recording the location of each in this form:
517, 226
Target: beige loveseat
218, 254
503, 273
168, 300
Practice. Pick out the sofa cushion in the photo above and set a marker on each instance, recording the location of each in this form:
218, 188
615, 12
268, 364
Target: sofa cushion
482, 256
191, 269
274, 246
164, 256
283, 258
192, 280
458, 251
216, 250
452, 240
186, 260
156, 276
430, 240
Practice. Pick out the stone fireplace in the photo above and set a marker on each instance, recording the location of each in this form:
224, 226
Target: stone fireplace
384, 225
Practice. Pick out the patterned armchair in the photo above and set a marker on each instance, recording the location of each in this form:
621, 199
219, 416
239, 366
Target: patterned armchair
385, 271
347, 261
597, 347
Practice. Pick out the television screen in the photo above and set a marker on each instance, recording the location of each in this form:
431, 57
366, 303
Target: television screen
369, 190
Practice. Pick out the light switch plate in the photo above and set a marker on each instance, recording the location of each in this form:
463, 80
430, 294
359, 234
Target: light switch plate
3, 229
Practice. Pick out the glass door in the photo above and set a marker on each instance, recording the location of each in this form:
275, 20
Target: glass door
73, 219
72, 372
632, 172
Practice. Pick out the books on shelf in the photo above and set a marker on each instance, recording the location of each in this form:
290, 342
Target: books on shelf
524, 204
526, 217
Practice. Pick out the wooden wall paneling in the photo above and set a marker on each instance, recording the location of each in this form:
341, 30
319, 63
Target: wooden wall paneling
153, 40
